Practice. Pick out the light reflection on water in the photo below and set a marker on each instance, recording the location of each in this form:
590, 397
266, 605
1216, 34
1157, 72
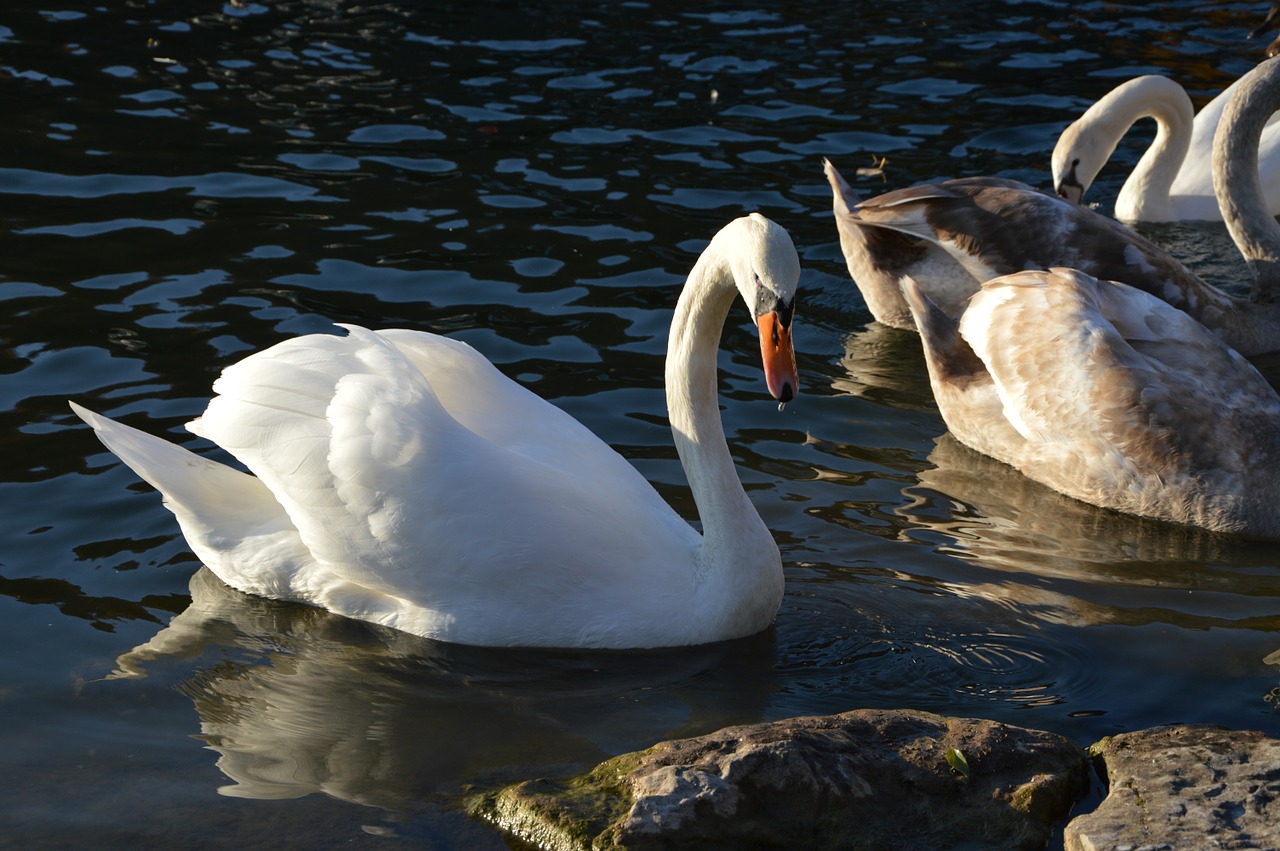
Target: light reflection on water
185, 183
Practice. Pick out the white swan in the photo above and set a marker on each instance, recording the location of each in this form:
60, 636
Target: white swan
401, 479
1108, 395
1173, 180
951, 236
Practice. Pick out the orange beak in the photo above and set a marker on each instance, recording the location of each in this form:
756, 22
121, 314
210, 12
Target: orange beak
779, 357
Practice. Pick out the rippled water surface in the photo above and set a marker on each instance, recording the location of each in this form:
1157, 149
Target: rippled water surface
183, 183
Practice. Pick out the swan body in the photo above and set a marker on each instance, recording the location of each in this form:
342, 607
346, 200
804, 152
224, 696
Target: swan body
950, 237
1173, 180
1108, 395
400, 478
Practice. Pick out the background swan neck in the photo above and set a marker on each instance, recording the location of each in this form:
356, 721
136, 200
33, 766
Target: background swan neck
1145, 195
1236, 181
730, 523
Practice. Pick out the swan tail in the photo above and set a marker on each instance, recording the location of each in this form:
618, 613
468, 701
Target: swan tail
182, 476
906, 211
950, 358
843, 198
229, 518
901, 211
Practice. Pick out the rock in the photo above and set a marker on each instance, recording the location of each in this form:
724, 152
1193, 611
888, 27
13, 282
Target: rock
1183, 787
868, 779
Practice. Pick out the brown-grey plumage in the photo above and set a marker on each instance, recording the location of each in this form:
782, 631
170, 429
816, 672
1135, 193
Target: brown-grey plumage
955, 234
1108, 395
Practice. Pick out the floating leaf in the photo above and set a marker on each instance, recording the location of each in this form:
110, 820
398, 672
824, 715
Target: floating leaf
958, 763
876, 170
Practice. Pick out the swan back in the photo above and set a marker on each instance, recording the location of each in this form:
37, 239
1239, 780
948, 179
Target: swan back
452, 509
1111, 396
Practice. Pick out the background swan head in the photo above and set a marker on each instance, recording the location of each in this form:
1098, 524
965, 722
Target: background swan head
1080, 153
1088, 142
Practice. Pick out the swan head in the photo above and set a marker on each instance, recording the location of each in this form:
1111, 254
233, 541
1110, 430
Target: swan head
766, 271
1089, 141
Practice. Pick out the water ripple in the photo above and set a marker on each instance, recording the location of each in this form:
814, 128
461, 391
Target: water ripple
21, 181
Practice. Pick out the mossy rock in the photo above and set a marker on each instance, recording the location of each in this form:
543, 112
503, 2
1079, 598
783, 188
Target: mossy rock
869, 779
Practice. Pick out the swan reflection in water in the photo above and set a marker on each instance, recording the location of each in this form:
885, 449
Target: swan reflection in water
1003, 521
1054, 558
296, 700
884, 364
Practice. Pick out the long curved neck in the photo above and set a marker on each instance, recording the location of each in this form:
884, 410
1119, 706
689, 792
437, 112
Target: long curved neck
1145, 195
1236, 181
730, 524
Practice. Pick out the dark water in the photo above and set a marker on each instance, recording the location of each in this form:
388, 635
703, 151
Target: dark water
183, 183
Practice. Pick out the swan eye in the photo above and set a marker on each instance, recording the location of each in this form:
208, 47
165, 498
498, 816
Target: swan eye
768, 301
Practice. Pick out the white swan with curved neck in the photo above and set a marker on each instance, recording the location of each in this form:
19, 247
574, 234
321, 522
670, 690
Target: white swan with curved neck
1173, 180
401, 479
